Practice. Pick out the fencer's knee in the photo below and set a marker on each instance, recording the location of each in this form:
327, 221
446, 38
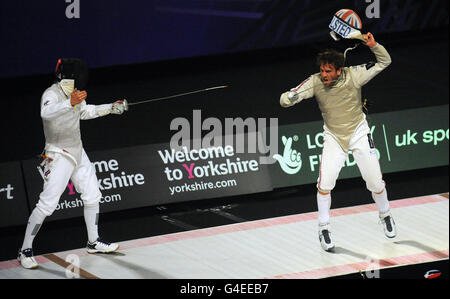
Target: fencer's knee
323, 192
89, 204
91, 199
376, 186
326, 184
382, 190
46, 209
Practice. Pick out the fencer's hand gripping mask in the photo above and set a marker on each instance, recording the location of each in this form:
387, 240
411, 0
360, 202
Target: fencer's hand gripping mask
71, 73
346, 24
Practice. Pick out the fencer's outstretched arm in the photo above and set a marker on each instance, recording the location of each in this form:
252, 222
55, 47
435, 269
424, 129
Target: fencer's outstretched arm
52, 107
94, 111
304, 90
362, 74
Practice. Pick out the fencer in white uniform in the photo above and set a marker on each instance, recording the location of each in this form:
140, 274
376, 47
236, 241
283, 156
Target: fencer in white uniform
63, 105
337, 90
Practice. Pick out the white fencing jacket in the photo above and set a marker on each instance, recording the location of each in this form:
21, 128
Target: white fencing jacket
61, 122
340, 104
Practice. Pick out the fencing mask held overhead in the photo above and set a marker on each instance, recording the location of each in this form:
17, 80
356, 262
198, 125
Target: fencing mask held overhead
346, 24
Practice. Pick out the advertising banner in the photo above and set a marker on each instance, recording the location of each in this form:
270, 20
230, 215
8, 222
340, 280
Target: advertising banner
13, 201
404, 140
157, 174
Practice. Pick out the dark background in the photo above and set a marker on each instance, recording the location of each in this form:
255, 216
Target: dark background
266, 49
417, 77
259, 58
112, 32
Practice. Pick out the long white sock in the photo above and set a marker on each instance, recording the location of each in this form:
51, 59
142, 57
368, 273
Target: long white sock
382, 201
34, 224
324, 204
91, 214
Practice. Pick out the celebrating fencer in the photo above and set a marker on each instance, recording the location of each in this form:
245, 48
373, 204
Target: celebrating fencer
337, 90
63, 105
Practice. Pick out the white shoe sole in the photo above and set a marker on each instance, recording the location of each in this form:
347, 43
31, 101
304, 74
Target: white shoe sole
30, 268
92, 251
390, 237
331, 249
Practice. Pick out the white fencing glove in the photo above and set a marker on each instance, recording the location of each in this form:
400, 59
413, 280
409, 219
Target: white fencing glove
292, 96
288, 98
118, 107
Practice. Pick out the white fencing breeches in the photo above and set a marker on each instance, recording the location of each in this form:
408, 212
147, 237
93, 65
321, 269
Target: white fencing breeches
58, 172
334, 157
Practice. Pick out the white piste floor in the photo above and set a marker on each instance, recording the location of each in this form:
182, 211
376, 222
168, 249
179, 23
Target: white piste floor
282, 247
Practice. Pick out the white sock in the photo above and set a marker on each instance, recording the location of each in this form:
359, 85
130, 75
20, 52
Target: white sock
91, 214
382, 201
34, 224
324, 204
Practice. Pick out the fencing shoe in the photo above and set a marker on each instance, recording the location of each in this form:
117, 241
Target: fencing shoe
388, 223
26, 259
325, 238
101, 246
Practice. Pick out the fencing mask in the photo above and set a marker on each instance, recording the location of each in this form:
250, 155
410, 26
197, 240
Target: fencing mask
72, 73
346, 24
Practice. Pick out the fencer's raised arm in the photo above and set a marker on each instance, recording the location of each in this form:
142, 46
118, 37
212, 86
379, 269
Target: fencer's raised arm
304, 90
362, 74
